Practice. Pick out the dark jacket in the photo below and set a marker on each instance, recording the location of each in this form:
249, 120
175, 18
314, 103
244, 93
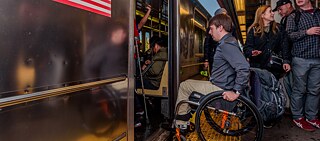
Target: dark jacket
286, 42
269, 43
230, 70
154, 74
209, 47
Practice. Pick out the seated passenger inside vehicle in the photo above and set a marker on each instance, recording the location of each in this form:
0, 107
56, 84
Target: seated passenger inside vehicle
152, 69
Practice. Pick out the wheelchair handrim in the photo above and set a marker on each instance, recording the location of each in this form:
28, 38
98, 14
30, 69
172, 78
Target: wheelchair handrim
218, 95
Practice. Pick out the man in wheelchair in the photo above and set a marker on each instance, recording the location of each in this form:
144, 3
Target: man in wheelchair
230, 70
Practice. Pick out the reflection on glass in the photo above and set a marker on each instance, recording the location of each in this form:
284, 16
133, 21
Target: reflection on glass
25, 75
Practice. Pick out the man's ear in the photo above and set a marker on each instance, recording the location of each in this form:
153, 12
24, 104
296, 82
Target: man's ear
220, 28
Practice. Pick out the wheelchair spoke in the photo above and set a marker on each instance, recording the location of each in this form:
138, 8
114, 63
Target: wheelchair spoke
218, 119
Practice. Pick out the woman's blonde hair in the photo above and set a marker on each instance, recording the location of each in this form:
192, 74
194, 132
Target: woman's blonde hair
258, 24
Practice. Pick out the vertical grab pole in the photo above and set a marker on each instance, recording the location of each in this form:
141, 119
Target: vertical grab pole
141, 79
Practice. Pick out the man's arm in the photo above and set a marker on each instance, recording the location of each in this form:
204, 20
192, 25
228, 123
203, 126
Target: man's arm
286, 53
285, 47
235, 58
249, 46
292, 31
145, 18
156, 68
159, 61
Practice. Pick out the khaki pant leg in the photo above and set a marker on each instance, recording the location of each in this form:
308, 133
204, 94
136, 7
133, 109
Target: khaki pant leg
187, 87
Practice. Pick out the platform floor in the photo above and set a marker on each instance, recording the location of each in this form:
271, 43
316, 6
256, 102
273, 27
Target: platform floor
284, 130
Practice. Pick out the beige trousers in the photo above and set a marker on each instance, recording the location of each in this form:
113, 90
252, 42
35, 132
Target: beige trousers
186, 88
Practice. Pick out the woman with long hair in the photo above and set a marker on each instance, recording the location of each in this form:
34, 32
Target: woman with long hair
263, 40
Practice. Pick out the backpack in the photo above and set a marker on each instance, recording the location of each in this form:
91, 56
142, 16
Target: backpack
265, 93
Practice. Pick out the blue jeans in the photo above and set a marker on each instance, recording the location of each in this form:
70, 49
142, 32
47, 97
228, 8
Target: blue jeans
306, 88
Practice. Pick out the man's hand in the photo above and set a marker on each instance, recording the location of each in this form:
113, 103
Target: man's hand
230, 95
256, 52
145, 17
313, 31
148, 7
143, 67
147, 62
286, 67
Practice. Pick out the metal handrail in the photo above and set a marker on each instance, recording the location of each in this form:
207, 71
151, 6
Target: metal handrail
15, 100
191, 65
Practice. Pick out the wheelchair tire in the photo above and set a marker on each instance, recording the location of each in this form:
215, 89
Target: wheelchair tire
253, 113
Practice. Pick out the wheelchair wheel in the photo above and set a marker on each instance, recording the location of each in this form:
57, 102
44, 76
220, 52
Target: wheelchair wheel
237, 120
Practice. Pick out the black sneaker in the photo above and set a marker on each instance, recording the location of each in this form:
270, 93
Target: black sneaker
140, 113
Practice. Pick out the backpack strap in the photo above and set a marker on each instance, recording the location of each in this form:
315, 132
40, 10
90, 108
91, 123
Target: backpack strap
283, 22
297, 19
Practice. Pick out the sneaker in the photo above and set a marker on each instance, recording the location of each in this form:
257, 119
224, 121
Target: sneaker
137, 124
140, 113
314, 122
303, 124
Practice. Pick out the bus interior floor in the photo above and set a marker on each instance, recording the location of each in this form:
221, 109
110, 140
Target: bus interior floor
144, 131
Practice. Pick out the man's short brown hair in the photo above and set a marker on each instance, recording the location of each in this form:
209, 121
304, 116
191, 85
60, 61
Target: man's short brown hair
222, 20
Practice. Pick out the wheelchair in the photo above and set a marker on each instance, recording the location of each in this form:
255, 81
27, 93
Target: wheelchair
217, 119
